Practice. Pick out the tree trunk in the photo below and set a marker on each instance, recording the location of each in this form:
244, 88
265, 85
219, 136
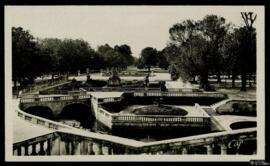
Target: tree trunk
244, 81
149, 68
52, 76
218, 77
233, 80
250, 83
204, 83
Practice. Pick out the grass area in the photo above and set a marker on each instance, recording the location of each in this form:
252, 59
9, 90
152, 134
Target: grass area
243, 108
250, 94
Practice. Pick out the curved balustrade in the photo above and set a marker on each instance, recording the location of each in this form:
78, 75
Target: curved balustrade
222, 102
111, 120
157, 119
40, 121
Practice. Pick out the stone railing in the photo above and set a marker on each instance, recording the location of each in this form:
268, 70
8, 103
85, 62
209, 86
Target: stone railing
115, 120
104, 117
222, 102
67, 142
40, 121
183, 90
159, 121
181, 94
43, 84
109, 100
42, 145
215, 105
139, 89
54, 98
120, 89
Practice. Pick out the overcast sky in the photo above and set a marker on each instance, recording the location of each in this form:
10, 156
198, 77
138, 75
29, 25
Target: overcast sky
137, 26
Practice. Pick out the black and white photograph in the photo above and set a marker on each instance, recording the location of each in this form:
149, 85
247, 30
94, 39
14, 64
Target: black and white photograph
143, 83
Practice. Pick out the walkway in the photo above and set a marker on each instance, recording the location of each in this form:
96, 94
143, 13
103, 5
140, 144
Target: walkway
227, 120
23, 130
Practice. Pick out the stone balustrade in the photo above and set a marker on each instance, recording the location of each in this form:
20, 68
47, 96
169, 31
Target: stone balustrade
65, 141
43, 84
43, 145
113, 120
181, 94
70, 143
136, 94
222, 102
54, 98
40, 121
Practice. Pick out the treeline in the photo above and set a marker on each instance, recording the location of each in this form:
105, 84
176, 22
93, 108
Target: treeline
210, 46
32, 57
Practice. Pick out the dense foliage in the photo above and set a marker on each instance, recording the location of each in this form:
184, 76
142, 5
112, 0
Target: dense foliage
35, 57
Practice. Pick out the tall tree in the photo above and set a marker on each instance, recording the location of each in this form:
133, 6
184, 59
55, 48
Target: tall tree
191, 51
215, 29
230, 52
74, 55
149, 57
125, 52
51, 45
26, 57
249, 19
162, 60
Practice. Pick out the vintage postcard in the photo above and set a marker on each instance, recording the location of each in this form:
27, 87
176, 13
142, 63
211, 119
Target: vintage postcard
134, 83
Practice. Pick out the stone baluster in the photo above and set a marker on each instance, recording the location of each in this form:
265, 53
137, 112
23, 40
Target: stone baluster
84, 147
99, 149
160, 152
77, 148
15, 152
34, 149
91, 151
209, 149
223, 149
62, 147
184, 150
110, 150
41, 150
68, 147
19, 151
55, 146
26, 149
48, 151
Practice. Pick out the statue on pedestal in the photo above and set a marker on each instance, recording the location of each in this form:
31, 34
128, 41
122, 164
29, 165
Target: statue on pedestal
114, 79
88, 77
146, 80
